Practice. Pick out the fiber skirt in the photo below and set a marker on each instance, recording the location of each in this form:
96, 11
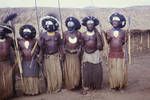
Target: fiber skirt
117, 73
31, 85
6, 80
53, 73
71, 71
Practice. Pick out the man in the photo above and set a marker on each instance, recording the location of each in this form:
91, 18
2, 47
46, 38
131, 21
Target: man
29, 50
92, 72
6, 61
116, 38
72, 48
50, 43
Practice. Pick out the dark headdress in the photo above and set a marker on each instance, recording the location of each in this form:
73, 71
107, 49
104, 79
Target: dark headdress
5, 27
50, 23
27, 31
118, 17
73, 22
90, 19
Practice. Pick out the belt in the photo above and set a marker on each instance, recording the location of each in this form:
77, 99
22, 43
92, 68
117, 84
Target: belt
49, 54
72, 51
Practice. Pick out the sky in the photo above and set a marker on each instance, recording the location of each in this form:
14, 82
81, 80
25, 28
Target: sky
74, 3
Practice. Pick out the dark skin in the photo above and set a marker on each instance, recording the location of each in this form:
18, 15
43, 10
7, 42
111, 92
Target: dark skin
49, 44
115, 24
71, 28
69, 47
90, 27
67, 44
94, 42
26, 53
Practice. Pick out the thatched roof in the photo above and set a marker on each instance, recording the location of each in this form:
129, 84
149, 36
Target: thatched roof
140, 16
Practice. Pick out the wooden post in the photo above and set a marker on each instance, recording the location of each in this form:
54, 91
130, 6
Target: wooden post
129, 47
141, 42
133, 43
129, 40
148, 41
133, 47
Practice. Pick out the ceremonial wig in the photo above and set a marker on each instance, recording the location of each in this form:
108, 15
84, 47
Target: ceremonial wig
118, 17
4, 26
27, 31
72, 22
50, 23
90, 19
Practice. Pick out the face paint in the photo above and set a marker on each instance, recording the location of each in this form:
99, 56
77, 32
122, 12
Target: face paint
2, 40
71, 26
116, 18
48, 23
115, 21
27, 30
26, 33
50, 27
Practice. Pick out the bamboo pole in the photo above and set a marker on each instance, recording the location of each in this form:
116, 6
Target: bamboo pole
133, 41
148, 41
17, 53
141, 42
106, 47
133, 47
129, 47
129, 40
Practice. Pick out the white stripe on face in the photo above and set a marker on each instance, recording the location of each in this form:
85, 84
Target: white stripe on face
27, 30
90, 22
116, 18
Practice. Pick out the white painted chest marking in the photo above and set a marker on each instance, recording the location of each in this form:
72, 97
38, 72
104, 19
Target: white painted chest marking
116, 34
73, 40
26, 44
2, 40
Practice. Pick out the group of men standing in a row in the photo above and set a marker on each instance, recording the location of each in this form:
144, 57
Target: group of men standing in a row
65, 62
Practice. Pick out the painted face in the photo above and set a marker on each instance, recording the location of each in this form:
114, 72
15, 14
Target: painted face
90, 25
27, 33
115, 22
71, 25
49, 26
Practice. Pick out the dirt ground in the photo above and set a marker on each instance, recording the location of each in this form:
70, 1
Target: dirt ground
138, 86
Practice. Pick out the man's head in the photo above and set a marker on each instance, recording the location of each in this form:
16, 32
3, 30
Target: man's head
117, 20
50, 23
27, 31
4, 30
72, 24
90, 22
